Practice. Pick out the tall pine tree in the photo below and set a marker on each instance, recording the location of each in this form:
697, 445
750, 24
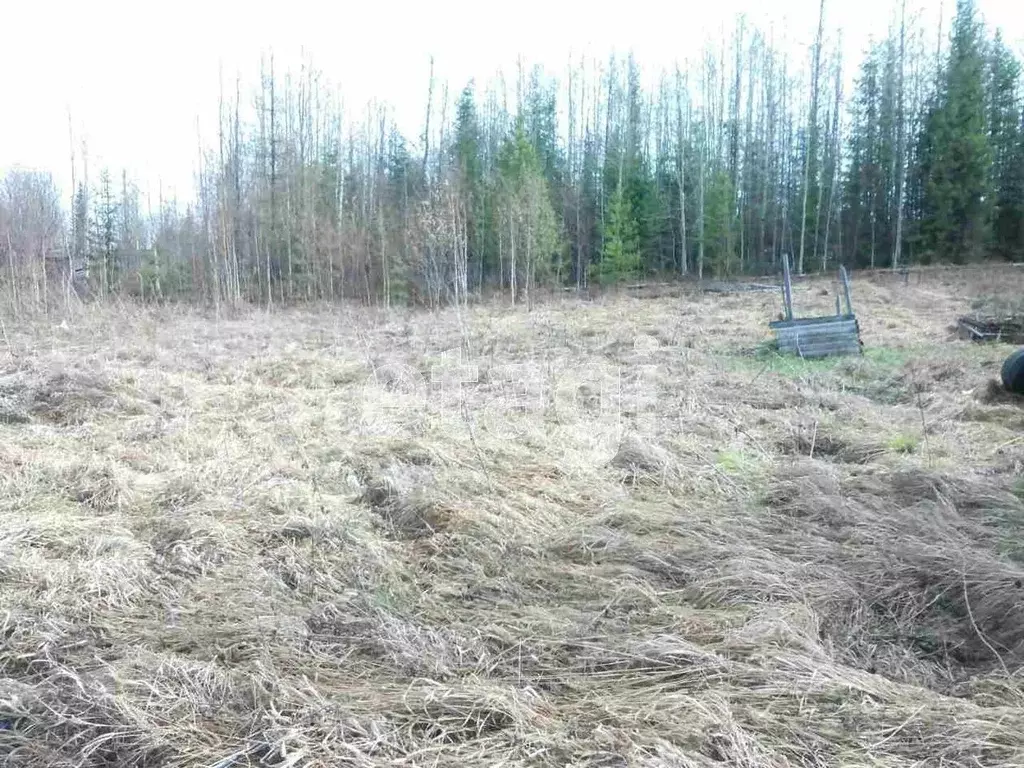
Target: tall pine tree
957, 189
1007, 142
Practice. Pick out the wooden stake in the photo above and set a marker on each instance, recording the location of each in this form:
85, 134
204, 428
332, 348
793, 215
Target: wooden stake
846, 289
787, 287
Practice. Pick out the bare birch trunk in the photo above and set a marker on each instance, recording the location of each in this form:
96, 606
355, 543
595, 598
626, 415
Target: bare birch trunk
681, 155
900, 149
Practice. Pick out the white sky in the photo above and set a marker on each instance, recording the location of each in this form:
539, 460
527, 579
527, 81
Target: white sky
137, 75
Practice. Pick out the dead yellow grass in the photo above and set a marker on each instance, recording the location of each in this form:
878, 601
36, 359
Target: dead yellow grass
606, 533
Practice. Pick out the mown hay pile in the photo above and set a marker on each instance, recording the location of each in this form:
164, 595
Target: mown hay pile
240, 543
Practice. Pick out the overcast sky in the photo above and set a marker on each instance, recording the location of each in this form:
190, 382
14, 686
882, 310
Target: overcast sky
135, 76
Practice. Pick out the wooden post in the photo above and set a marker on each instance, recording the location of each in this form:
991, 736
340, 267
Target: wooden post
787, 287
839, 311
846, 289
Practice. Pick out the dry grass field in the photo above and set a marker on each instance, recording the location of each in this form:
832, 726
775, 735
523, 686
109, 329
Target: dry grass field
619, 532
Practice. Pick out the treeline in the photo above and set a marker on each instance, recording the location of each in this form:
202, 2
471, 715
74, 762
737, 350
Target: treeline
719, 167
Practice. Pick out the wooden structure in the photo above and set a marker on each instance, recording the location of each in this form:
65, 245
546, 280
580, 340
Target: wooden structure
1009, 330
809, 337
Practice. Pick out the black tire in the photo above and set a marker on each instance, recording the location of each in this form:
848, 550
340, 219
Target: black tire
1013, 372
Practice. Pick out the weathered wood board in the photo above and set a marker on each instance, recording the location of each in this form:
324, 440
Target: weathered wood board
1009, 330
818, 336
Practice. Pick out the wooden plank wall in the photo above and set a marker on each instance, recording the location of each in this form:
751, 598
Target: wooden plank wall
830, 336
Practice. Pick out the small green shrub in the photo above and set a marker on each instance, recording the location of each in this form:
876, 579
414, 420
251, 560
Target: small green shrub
902, 444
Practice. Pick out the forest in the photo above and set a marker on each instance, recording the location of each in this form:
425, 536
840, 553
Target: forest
545, 181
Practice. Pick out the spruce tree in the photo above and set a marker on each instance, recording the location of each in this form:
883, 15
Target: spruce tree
957, 192
527, 218
864, 180
103, 235
620, 257
467, 157
1007, 142
718, 232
